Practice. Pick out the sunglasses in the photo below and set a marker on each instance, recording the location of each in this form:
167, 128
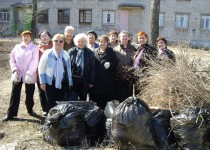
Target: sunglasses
60, 41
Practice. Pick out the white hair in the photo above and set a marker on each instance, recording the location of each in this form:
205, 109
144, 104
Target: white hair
80, 36
68, 28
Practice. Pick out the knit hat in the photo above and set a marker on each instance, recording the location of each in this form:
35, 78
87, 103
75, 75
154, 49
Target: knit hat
93, 32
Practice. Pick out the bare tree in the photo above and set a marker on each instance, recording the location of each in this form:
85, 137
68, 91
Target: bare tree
34, 17
154, 21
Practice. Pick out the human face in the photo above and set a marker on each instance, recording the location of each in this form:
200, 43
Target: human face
161, 44
142, 39
58, 43
113, 38
45, 38
69, 35
91, 38
103, 44
81, 43
26, 38
124, 38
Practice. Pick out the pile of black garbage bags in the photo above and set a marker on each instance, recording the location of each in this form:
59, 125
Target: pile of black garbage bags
130, 124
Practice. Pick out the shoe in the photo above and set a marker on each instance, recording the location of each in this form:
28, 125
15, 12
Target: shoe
7, 118
32, 113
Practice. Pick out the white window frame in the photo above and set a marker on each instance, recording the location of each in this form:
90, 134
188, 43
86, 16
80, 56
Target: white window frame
205, 22
108, 17
161, 22
182, 20
4, 15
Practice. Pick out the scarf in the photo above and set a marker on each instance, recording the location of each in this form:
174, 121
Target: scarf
80, 60
59, 69
136, 62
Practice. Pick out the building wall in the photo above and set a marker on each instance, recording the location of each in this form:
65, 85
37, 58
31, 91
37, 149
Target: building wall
19, 16
195, 8
138, 19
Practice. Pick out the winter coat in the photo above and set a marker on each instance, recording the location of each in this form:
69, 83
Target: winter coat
104, 77
42, 48
124, 58
47, 65
149, 53
89, 66
24, 59
168, 53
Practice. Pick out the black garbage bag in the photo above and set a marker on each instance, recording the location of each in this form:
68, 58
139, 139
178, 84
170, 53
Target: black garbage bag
65, 123
164, 137
110, 108
132, 124
190, 127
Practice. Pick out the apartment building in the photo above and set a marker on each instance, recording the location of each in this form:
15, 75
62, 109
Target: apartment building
179, 20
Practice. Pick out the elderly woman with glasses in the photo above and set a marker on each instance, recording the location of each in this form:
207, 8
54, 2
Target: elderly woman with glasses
23, 62
83, 66
55, 72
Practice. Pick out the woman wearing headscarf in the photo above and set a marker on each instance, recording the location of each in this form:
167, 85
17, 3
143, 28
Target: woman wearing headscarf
83, 66
55, 72
23, 62
105, 67
44, 45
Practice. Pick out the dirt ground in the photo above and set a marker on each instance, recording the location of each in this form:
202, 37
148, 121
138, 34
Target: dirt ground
23, 132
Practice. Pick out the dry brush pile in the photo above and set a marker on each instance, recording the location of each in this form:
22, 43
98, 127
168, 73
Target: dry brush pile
178, 85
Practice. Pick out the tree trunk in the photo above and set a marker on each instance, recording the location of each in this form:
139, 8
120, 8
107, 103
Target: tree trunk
34, 16
154, 21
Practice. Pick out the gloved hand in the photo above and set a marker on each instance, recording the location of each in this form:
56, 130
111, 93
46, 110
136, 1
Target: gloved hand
107, 65
28, 79
14, 77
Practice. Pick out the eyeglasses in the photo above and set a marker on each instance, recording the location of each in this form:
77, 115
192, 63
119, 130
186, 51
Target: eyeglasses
60, 41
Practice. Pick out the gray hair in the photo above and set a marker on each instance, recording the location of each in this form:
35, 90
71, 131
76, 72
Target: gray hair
80, 36
68, 28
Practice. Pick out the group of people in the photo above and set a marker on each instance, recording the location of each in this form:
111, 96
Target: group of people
84, 63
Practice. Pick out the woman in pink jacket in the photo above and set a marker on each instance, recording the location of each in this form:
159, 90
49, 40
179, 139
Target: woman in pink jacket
23, 62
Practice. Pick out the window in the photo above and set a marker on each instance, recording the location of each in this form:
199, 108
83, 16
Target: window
63, 16
85, 16
108, 17
205, 22
43, 16
4, 16
182, 21
161, 19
